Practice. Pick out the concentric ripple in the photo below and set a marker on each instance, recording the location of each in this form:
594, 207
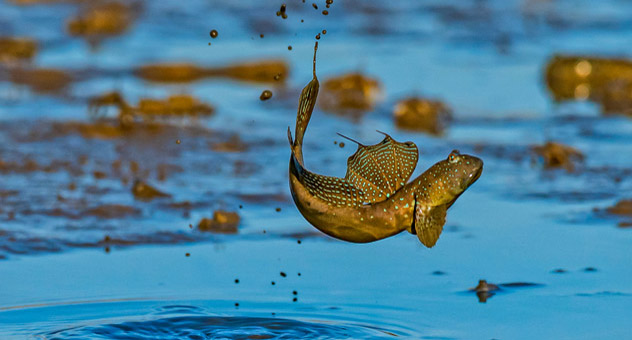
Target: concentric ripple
220, 327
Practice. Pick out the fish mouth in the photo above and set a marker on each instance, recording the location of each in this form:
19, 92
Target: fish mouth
476, 175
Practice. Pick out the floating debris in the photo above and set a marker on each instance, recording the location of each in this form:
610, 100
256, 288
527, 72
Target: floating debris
213, 34
556, 155
17, 49
265, 95
419, 114
146, 192
350, 93
223, 222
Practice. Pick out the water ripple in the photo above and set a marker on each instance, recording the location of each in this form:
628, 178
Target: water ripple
221, 327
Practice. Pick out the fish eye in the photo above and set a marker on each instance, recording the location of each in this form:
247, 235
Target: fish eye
454, 155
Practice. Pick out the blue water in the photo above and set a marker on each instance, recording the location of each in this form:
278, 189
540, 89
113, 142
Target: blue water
68, 273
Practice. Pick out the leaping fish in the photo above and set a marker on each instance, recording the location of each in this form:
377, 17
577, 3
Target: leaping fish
375, 200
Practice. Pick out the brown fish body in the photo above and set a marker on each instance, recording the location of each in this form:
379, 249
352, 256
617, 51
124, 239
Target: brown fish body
437, 188
374, 200
354, 222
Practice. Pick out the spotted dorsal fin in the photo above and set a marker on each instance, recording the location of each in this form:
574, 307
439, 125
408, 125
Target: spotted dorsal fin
380, 170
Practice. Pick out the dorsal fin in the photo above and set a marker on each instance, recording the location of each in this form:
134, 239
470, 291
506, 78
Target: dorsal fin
380, 170
306, 105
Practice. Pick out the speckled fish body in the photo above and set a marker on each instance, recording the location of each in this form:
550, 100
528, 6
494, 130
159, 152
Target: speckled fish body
374, 201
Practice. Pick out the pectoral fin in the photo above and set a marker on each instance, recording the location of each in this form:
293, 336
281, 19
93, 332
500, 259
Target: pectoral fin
429, 223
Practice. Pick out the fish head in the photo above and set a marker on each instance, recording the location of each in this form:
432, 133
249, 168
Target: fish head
462, 170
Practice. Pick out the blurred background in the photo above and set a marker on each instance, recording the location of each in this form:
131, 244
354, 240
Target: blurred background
143, 166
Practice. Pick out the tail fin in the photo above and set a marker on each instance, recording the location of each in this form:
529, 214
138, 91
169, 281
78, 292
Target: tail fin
306, 105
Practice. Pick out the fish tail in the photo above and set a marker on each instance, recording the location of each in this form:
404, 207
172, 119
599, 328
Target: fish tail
306, 105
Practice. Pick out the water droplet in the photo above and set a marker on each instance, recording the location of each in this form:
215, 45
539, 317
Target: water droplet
265, 95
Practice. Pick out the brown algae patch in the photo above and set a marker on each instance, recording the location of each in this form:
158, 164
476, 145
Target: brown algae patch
233, 144
261, 71
350, 93
102, 20
557, 155
145, 192
178, 105
41, 80
112, 211
181, 105
17, 49
223, 222
623, 207
420, 114
605, 81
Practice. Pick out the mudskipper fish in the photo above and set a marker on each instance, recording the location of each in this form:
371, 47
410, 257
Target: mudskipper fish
374, 200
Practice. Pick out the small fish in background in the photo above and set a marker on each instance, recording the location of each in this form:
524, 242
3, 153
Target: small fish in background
373, 201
